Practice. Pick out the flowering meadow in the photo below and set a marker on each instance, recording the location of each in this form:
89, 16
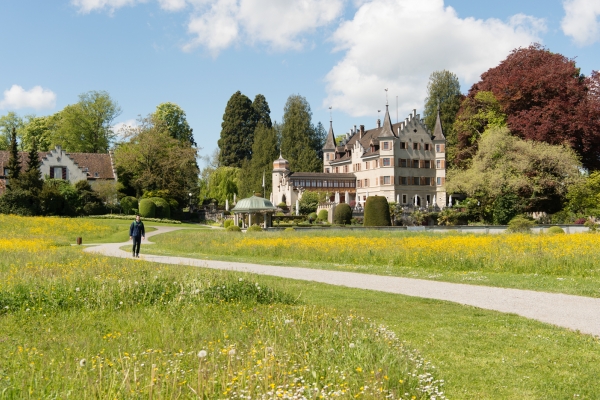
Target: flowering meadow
568, 263
75, 325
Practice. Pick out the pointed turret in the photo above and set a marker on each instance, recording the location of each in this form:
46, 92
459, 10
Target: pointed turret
387, 130
438, 132
330, 142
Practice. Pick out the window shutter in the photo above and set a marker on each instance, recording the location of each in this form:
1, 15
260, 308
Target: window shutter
64, 173
421, 163
443, 181
51, 172
443, 164
443, 148
391, 161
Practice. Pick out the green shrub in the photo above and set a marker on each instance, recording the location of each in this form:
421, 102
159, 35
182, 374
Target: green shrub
377, 211
282, 205
129, 203
163, 209
342, 214
228, 223
309, 202
289, 229
520, 223
555, 229
254, 228
313, 216
323, 215
233, 228
147, 208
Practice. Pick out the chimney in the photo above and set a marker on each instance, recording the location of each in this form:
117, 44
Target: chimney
406, 122
378, 123
414, 112
362, 131
354, 131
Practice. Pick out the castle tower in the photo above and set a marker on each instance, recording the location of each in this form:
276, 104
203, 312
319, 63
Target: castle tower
329, 149
281, 169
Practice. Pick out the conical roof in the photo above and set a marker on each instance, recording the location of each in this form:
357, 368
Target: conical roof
438, 132
330, 143
254, 204
387, 130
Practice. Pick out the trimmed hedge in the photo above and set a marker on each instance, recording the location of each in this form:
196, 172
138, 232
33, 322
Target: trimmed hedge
233, 228
163, 209
147, 208
377, 212
227, 223
323, 215
129, 203
555, 230
129, 218
342, 214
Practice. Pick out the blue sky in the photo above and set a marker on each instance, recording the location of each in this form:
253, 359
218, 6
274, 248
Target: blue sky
339, 53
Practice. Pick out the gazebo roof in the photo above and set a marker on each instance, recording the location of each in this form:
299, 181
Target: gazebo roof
254, 204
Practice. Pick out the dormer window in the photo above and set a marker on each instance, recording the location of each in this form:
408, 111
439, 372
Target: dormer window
386, 145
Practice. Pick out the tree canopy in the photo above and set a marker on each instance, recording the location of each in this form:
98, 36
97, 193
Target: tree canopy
547, 99
265, 150
443, 91
299, 141
9, 122
153, 160
508, 172
174, 118
262, 111
237, 131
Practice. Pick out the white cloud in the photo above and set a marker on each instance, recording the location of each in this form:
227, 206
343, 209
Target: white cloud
219, 24
581, 21
37, 98
172, 5
87, 6
397, 44
122, 128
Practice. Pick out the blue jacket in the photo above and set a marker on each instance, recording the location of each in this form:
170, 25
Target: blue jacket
137, 230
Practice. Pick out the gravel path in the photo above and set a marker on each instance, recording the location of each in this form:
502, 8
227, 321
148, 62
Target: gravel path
568, 311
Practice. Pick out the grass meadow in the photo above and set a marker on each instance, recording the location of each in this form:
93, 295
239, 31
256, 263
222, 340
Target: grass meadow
554, 263
75, 325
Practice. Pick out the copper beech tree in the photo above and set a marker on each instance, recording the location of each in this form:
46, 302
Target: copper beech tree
545, 98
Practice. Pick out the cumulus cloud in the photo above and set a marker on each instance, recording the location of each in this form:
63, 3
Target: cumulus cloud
124, 127
37, 98
279, 24
397, 44
581, 21
87, 6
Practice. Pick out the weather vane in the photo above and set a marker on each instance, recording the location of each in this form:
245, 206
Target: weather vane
386, 97
330, 117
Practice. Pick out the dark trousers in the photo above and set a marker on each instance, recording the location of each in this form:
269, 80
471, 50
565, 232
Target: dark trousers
137, 241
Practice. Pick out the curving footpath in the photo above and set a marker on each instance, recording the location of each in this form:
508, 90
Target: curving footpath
568, 311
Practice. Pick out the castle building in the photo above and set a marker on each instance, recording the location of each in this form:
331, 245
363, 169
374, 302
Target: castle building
404, 162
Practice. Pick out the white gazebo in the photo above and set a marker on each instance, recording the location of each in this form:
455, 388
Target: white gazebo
252, 206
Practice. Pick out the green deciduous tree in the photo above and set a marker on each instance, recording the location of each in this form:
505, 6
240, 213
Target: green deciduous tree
152, 159
583, 197
509, 175
9, 122
477, 113
174, 118
223, 184
299, 141
39, 130
237, 131
86, 126
309, 202
443, 91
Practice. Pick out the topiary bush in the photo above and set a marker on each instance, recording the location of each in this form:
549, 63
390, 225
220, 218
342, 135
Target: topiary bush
342, 214
313, 216
377, 211
228, 223
555, 230
289, 229
163, 209
233, 228
147, 208
129, 203
520, 223
323, 215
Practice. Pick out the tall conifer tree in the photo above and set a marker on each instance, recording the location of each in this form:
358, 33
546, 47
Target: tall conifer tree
32, 179
265, 150
14, 163
262, 111
298, 136
237, 131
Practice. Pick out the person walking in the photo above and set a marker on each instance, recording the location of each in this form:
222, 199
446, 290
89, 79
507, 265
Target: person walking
136, 233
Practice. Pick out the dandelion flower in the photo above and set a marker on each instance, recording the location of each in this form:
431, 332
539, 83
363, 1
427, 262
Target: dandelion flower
241, 279
351, 345
202, 354
82, 362
232, 352
77, 289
